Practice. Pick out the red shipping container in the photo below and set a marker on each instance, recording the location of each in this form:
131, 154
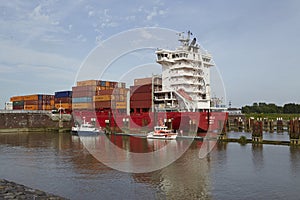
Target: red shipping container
102, 104
83, 94
84, 88
32, 102
63, 100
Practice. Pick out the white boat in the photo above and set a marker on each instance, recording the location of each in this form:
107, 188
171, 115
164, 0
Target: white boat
85, 129
162, 132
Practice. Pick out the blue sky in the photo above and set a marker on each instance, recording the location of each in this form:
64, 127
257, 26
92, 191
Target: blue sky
255, 44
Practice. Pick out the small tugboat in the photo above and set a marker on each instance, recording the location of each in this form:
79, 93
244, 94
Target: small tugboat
162, 132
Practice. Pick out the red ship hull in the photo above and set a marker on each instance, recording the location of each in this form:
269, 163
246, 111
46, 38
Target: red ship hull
137, 122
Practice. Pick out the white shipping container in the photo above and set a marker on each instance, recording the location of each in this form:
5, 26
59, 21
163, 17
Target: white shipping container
8, 105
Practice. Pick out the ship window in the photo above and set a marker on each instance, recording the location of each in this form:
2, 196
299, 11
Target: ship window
166, 55
180, 54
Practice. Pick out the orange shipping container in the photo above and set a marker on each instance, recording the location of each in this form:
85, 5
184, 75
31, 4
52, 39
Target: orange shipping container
52, 102
88, 82
30, 107
82, 105
17, 98
103, 98
31, 97
121, 105
47, 107
63, 105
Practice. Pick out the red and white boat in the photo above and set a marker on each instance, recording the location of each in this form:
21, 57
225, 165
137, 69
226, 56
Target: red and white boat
162, 132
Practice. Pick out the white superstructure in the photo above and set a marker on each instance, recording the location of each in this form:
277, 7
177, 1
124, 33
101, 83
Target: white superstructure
185, 77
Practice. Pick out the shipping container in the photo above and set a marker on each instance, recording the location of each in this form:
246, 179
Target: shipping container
84, 93
18, 103
62, 94
121, 105
52, 102
104, 92
31, 107
17, 98
46, 97
63, 100
82, 100
46, 107
84, 88
32, 97
143, 81
123, 98
88, 83
103, 98
8, 105
32, 102
18, 107
102, 104
82, 106
63, 105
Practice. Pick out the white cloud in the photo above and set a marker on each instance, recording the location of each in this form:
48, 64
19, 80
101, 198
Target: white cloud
13, 55
37, 14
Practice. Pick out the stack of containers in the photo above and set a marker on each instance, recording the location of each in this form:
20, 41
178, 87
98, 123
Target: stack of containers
110, 95
18, 102
141, 94
99, 95
63, 100
82, 94
33, 102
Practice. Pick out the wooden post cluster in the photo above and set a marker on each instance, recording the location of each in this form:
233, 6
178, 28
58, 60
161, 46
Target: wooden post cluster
294, 131
257, 131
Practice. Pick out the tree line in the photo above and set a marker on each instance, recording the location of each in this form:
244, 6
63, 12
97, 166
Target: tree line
290, 108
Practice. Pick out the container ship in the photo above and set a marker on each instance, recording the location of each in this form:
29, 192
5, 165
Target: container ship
179, 97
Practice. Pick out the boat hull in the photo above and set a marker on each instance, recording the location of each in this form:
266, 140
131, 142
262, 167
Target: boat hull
182, 121
162, 137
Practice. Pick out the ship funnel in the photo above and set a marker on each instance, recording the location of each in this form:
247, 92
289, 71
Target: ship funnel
193, 42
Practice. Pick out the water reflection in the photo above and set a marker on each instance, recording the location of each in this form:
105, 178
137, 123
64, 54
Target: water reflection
60, 164
187, 178
257, 156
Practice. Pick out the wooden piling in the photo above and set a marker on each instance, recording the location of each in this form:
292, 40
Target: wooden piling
257, 135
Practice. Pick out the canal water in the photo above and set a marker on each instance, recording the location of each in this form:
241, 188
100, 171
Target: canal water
60, 164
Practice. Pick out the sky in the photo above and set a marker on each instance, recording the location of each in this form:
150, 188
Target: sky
255, 44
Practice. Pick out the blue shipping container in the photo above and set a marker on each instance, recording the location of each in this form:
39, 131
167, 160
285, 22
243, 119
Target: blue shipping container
62, 94
82, 100
103, 83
